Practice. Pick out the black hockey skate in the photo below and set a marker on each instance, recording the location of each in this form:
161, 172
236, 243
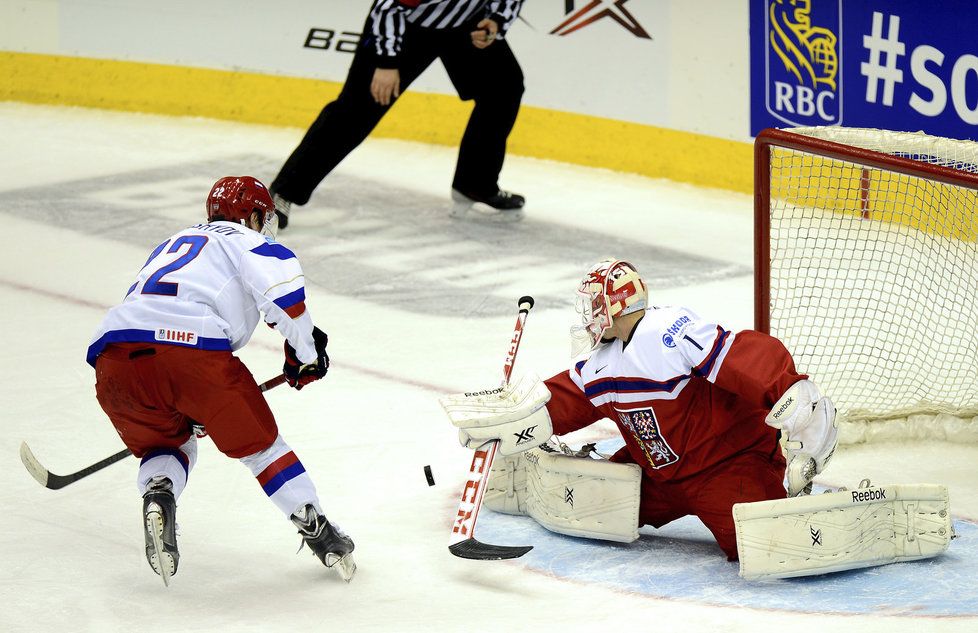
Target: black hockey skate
502, 205
160, 527
327, 541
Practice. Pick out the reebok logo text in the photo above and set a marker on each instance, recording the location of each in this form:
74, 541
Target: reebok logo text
868, 495
487, 392
784, 407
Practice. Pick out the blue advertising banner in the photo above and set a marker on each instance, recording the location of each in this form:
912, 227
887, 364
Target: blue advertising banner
903, 65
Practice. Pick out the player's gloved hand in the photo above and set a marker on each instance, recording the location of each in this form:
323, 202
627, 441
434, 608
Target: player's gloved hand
299, 375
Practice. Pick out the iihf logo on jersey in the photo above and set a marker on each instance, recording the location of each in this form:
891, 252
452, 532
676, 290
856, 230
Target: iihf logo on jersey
803, 82
176, 336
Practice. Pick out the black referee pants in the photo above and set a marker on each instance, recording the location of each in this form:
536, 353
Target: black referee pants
491, 77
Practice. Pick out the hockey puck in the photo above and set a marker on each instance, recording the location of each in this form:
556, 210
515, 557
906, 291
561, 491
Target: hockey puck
429, 476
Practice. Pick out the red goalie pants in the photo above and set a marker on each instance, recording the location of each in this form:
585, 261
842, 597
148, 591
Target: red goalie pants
153, 392
711, 495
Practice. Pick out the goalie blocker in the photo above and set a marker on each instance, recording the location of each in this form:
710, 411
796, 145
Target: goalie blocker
848, 529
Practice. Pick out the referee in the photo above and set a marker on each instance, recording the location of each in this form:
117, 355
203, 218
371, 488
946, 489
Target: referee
401, 38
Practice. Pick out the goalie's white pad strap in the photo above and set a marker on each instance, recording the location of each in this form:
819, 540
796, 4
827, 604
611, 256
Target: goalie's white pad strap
578, 496
489, 407
835, 531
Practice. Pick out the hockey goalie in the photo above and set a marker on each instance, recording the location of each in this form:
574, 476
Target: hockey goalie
716, 424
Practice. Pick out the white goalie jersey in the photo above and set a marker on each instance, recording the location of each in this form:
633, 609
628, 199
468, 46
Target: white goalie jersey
206, 287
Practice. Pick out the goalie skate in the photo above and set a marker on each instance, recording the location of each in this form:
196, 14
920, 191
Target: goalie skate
159, 520
327, 542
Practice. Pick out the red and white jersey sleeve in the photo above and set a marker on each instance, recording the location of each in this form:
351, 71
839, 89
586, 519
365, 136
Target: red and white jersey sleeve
685, 393
206, 287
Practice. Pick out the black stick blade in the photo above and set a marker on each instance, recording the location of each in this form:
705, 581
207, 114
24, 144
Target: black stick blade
474, 550
55, 482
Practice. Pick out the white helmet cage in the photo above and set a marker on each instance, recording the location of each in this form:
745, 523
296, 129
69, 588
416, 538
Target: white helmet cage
611, 288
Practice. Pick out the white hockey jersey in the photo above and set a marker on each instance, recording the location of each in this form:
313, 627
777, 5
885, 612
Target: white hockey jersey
206, 287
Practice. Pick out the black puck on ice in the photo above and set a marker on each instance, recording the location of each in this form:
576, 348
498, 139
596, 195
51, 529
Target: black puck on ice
429, 476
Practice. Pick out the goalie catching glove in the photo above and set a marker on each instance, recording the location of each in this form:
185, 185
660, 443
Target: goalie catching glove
515, 414
810, 432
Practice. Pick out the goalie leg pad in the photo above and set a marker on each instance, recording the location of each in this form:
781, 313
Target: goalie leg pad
577, 496
835, 531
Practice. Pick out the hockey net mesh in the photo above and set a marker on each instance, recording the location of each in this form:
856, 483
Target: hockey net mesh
873, 283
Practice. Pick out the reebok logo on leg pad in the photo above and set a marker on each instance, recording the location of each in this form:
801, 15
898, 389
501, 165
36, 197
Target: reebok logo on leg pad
868, 495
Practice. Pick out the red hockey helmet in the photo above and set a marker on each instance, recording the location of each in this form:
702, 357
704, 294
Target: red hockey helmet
611, 288
235, 198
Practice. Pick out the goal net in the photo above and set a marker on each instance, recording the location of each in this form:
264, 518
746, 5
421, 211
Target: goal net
866, 266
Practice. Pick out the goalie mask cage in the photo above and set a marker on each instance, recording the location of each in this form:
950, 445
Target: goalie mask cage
866, 245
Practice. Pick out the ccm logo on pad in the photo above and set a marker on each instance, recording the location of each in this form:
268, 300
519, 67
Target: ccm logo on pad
868, 495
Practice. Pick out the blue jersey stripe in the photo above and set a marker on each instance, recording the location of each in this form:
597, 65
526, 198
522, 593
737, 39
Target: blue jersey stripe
273, 249
707, 365
608, 385
287, 301
149, 336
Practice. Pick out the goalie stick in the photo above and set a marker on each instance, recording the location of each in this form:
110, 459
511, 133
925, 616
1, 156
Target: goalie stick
55, 482
463, 543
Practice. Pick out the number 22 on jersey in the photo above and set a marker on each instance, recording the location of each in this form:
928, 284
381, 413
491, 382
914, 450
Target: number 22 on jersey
155, 285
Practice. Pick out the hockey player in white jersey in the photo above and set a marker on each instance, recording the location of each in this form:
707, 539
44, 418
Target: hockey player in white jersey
164, 365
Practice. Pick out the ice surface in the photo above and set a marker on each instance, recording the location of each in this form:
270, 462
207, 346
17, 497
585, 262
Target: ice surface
416, 305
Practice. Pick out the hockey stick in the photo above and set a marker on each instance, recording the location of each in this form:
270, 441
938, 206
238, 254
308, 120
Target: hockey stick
55, 482
463, 543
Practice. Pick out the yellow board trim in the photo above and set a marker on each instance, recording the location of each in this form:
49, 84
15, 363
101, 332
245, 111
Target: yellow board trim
431, 118
807, 181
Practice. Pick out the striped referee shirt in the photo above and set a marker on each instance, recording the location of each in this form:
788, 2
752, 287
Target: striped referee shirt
388, 19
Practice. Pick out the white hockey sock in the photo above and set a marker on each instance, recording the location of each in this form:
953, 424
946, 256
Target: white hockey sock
283, 477
174, 464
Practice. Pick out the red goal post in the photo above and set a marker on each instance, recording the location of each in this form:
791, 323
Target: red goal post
866, 267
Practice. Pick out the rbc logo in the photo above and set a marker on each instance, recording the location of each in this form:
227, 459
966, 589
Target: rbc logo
802, 61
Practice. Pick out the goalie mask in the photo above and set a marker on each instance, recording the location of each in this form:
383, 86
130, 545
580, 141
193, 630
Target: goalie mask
235, 198
611, 288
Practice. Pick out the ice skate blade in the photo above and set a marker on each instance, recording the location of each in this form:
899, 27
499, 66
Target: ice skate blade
494, 216
465, 209
345, 566
154, 525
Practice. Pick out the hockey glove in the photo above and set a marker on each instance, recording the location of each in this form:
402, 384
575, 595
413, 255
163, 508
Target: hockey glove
299, 375
515, 414
810, 432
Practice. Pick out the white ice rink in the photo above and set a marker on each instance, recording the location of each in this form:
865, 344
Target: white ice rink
416, 305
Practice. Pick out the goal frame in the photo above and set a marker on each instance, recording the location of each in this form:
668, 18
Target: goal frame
774, 137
